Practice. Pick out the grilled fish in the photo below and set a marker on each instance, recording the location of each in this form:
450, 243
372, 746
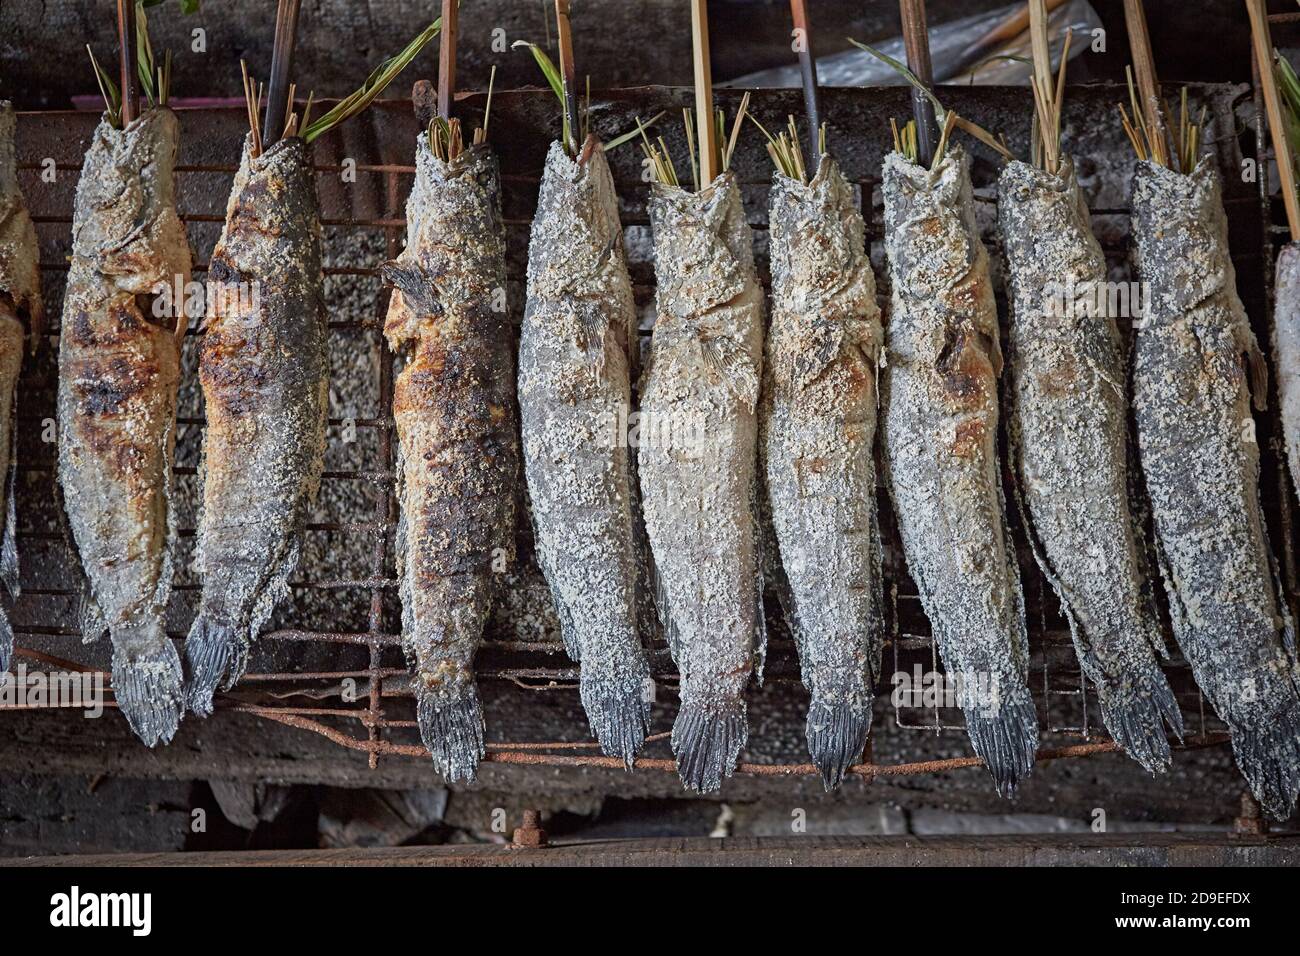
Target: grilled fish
697, 451
939, 395
818, 420
119, 371
454, 404
265, 376
21, 314
575, 355
1196, 438
1286, 352
1068, 433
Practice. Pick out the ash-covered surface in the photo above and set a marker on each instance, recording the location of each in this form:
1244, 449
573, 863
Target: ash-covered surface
347, 581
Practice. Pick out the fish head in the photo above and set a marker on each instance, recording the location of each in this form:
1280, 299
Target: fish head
929, 223
703, 250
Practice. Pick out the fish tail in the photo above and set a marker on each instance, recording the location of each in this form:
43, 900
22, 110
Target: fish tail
148, 688
216, 658
452, 732
1136, 715
1005, 736
707, 740
837, 733
1268, 753
618, 710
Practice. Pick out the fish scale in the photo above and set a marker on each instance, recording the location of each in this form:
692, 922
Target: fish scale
454, 405
940, 408
119, 372
698, 468
1196, 367
575, 359
818, 436
265, 376
21, 314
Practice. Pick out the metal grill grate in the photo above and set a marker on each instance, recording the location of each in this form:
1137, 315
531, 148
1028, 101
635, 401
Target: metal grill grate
342, 631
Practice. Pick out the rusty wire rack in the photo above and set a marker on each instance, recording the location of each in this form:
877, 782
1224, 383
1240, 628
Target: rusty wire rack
336, 668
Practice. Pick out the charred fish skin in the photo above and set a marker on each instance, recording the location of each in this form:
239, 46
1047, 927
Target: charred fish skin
264, 370
697, 461
1286, 352
22, 313
1200, 459
940, 418
818, 426
1068, 438
454, 404
575, 351
119, 371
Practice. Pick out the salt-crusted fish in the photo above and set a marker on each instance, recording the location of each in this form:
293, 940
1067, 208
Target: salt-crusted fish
21, 314
119, 371
1194, 351
265, 375
940, 402
697, 462
575, 356
1286, 352
454, 403
1068, 432
818, 433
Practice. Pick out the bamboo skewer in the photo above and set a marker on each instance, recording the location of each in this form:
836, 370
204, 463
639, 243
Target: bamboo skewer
1148, 85
706, 125
564, 37
1273, 104
808, 71
129, 75
447, 56
277, 93
916, 41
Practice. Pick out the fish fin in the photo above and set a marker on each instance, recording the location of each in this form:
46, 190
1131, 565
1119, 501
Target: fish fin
91, 617
671, 634
148, 691
568, 632
730, 364
707, 740
452, 732
760, 613
1005, 737
618, 710
1268, 753
217, 657
837, 733
1136, 715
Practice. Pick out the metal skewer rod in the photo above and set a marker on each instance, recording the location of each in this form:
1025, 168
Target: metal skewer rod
808, 72
277, 93
568, 77
916, 41
705, 123
1273, 104
130, 75
447, 56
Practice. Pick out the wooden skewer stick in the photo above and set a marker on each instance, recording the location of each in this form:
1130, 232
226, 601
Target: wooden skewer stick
447, 56
916, 41
286, 30
1144, 65
1042, 54
564, 36
129, 77
705, 122
808, 70
1273, 104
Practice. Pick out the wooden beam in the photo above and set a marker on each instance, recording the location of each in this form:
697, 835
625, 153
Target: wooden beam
568, 77
808, 71
705, 123
916, 41
277, 92
1273, 105
447, 56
